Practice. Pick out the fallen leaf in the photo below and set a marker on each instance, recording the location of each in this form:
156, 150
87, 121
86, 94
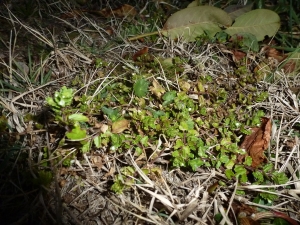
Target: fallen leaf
139, 53
119, 126
192, 22
97, 161
272, 52
238, 55
289, 66
157, 89
288, 61
256, 143
258, 22
291, 63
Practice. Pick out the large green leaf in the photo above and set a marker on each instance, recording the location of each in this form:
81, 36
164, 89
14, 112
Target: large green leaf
195, 21
259, 22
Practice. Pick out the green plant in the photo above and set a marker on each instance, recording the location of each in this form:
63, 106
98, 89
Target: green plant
140, 87
258, 23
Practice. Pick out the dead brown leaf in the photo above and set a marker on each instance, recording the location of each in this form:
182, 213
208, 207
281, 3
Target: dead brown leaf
256, 143
272, 52
289, 64
157, 89
139, 53
238, 55
120, 126
97, 161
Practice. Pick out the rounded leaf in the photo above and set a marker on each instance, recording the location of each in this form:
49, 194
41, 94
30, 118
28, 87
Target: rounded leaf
195, 21
259, 22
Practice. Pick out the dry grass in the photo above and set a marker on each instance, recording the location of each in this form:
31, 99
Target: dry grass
80, 194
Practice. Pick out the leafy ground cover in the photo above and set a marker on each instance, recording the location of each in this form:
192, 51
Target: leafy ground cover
112, 113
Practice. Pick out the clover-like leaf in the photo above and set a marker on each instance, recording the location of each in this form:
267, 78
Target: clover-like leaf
141, 87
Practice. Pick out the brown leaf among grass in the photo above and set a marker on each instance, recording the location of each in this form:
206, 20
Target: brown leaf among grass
238, 55
287, 61
139, 53
157, 89
120, 126
256, 143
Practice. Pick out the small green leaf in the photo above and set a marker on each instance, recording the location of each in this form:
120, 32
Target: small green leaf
127, 170
279, 178
268, 196
141, 87
179, 144
230, 164
97, 141
240, 169
62, 98
112, 114
138, 151
258, 177
225, 141
76, 133
229, 174
224, 158
118, 185
144, 141
168, 97
195, 163
248, 161
243, 178
186, 125
78, 117
86, 146
268, 167
117, 140
203, 111
240, 192
50, 101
